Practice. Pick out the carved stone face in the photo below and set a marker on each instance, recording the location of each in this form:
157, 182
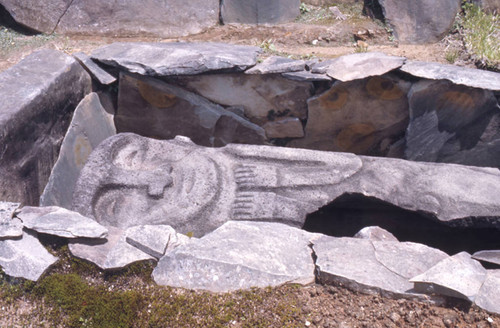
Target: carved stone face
154, 182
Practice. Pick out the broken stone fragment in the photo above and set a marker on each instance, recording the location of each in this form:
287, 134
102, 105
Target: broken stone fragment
491, 256
90, 125
375, 233
155, 240
10, 227
177, 58
25, 257
289, 127
60, 222
358, 66
456, 276
156, 109
383, 267
488, 297
95, 70
306, 76
474, 78
240, 255
277, 64
108, 254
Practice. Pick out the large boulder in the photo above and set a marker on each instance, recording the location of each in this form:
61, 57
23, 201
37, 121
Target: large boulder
153, 108
35, 112
90, 125
240, 255
164, 59
259, 11
131, 180
420, 21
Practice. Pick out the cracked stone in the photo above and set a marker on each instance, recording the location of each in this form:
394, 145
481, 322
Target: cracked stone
155, 240
9, 225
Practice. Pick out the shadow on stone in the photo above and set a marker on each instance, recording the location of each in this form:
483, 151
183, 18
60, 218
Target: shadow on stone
6, 20
349, 213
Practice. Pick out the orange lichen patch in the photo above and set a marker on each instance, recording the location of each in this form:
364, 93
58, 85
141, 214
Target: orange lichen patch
356, 138
156, 97
81, 150
383, 88
334, 99
460, 101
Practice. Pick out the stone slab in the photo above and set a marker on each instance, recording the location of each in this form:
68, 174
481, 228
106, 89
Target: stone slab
259, 11
109, 254
277, 64
35, 112
164, 19
420, 21
488, 297
470, 77
176, 58
25, 257
155, 240
153, 108
457, 276
306, 76
60, 222
375, 233
290, 127
373, 266
90, 125
240, 255
359, 66
491, 256
9, 225
95, 70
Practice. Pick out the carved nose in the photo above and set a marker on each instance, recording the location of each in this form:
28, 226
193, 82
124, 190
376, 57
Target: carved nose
158, 180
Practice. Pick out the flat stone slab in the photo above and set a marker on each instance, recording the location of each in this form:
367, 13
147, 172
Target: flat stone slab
457, 276
488, 297
155, 240
90, 125
131, 180
36, 102
368, 266
9, 225
240, 255
277, 64
164, 59
25, 257
376, 234
306, 76
359, 66
60, 222
491, 256
471, 77
95, 70
111, 253
259, 11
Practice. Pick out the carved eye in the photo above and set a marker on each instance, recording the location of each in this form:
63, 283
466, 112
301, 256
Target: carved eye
383, 88
130, 156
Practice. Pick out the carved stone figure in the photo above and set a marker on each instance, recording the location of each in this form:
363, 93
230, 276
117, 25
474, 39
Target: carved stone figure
131, 180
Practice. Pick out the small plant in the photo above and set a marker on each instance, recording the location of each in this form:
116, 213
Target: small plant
268, 46
452, 56
303, 8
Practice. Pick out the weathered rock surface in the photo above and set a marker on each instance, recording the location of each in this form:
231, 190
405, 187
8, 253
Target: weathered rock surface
449, 121
471, 77
289, 127
240, 255
491, 256
9, 225
90, 125
38, 15
358, 66
259, 11
164, 59
130, 180
35, 112
263, 97
373, 266
157, 109
25, 258
362, 116
60, 222
168, 18
488, 297
94, 70
155, 240
306, 76
375, 234
111, 253
420, 21
457, 276
277, 64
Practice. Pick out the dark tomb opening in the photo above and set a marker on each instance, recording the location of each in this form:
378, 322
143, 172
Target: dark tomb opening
349, 213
